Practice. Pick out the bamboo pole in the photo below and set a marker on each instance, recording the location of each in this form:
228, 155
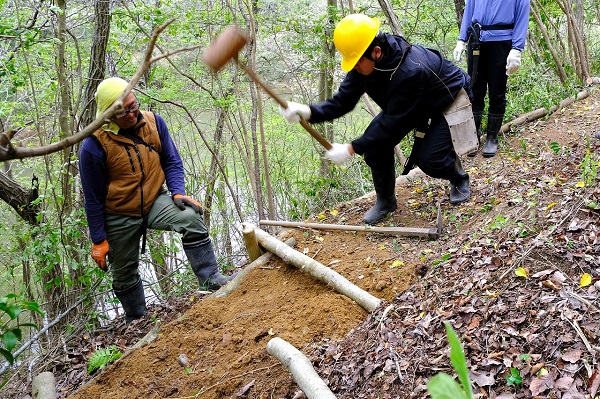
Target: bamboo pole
317, 270
301, 369
396, 231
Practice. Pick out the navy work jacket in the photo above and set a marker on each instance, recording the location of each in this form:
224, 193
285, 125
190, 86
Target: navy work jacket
411, 84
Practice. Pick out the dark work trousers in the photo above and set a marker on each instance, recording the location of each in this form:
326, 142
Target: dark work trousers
433, 153
491, 75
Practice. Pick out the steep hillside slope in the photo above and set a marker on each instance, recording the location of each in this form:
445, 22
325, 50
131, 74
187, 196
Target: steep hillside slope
530, 209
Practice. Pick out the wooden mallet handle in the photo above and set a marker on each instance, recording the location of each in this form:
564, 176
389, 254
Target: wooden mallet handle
226, 47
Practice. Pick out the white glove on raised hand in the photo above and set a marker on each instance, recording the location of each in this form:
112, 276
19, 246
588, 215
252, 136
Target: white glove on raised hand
338, 153
513, 62
294, 111
460, 47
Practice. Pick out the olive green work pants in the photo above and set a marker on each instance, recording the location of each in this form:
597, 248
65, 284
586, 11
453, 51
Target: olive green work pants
123, 234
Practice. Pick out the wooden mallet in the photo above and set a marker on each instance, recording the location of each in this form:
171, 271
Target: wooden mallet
226, 47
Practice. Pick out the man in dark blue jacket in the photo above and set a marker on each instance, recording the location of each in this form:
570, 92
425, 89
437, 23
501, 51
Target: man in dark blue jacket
413, 86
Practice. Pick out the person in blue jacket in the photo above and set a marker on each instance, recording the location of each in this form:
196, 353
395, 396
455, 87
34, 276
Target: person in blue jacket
494, 33
412, 85
123, 168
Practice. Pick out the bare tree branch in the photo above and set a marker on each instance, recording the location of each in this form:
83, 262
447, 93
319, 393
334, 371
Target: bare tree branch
8, 151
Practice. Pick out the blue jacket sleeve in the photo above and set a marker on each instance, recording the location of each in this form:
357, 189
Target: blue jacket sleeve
521, 24
170, 159
92, 171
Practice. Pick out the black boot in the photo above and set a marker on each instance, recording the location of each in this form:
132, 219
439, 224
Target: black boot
477, 117
385, 189
204, 264
133, 301
459, 184
491, 142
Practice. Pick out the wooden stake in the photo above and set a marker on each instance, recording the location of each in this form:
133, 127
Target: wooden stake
252, 247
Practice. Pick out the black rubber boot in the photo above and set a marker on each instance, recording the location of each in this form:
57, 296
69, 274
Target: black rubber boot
204, 264
133, 301
459, 184
385, 189
491, 142
477, 117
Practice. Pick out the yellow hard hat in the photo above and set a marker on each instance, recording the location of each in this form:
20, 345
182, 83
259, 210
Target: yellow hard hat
352, 36
107, 92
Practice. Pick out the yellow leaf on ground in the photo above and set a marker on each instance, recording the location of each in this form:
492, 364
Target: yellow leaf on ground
580, 184
321, 216
551, 205
586, 280
521, 272
334, 212
396, 263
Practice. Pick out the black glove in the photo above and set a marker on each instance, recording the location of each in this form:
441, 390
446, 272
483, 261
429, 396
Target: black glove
181, 201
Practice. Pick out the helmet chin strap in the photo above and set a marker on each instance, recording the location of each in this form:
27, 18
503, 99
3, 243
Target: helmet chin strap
392, 70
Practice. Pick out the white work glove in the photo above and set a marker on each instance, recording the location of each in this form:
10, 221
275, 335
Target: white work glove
338, 153
460, 47
294, 111
513, 62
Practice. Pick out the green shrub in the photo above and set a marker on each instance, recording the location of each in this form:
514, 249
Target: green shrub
102, 357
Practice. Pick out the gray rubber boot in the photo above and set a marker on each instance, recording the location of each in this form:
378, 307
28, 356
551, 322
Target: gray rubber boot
459, 184
204, 264
133, 301
477, 117
385, 186
491, 142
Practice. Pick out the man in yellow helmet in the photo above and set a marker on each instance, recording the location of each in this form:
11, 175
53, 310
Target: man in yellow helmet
414, 86
123, 168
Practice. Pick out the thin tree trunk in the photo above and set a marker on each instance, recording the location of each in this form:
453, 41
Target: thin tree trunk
562, 75
251, 56
387, 9
576, 42
326, 81
459, 7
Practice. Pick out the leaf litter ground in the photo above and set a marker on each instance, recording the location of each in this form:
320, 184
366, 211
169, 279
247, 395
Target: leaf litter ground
528, 210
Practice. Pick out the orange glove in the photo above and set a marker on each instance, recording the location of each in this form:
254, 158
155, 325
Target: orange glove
181, 201
99, 252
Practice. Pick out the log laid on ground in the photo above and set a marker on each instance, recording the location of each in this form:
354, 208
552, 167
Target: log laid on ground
395, 231
593, 80
317, 270
44, 386
301, 369
542, 112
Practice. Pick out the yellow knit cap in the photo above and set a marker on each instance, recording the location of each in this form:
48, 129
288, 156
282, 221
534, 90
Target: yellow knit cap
108, 91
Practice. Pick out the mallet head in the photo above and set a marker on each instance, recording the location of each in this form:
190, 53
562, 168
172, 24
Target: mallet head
225, 47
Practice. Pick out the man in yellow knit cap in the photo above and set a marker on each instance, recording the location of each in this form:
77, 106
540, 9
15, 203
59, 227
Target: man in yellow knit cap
123, 168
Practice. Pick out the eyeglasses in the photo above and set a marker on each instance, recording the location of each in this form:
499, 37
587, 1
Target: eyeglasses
133, 108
